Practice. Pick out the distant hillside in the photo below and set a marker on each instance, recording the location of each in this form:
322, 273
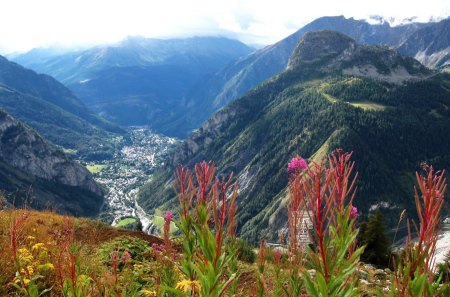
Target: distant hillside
389, 110
52, 109
33, 172
248, 72
430, 44
140, 81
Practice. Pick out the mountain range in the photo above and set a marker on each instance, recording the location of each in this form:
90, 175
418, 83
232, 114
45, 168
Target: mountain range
139, 81
248, 72
51, 109
174, 85
360, 87
390, 110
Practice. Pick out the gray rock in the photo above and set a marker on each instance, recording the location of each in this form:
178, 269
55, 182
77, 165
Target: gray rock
362, 274
379, 274
23, 148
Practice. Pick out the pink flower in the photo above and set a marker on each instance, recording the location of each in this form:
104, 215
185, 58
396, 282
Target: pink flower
126, 257
353, 213
168, 216
297, 164
157, 247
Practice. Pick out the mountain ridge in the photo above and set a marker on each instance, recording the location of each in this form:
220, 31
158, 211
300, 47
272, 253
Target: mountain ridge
249, 71
153, 76
52, 109
312, 113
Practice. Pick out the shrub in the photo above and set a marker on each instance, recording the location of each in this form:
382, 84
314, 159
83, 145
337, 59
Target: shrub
376, 242
245, 252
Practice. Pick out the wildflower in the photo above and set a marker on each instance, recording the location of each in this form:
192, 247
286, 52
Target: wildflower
126, 257
18, 280
186, 285
30, 269
168, 216
25, 255
353, 213
297, 164
158, 247
37, 246
31, 238
146, 292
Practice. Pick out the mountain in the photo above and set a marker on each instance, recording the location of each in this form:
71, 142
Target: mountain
35, 173
430, 45
52, 109
251, 70
391, 111
140, 81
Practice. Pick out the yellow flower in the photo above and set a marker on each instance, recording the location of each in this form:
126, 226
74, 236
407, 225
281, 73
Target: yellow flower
31, 238
38, 246
147, 293
186, 285
25, 255
30, 270
46, 266
17, 280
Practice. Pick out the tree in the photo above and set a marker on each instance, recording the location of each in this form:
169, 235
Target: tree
374, 237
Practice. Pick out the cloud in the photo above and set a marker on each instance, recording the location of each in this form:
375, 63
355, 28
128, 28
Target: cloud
29, 23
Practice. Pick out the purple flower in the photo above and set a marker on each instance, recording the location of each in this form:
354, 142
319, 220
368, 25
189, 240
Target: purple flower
353, 213
297, 164
168, 216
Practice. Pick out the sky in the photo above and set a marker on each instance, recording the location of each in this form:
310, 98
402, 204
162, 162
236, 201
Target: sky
26, 24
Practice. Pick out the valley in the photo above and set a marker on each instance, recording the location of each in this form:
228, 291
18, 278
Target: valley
142, 151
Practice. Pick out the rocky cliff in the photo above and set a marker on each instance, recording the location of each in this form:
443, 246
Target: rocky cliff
23, 150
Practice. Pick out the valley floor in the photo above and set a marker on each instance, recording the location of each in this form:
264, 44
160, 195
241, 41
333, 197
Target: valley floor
131, 167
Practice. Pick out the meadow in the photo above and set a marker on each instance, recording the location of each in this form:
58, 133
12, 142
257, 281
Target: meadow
46, 254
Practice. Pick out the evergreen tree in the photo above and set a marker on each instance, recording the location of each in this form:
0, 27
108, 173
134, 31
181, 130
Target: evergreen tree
376, 241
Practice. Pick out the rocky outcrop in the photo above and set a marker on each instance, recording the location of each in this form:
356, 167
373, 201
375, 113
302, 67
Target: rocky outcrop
333, 52
24, 149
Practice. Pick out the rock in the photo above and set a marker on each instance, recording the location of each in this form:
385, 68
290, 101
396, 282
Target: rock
362, 274
366, 283
369, 267
23, 148
379, 274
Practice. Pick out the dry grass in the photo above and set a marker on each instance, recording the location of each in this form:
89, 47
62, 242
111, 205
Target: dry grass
49, 228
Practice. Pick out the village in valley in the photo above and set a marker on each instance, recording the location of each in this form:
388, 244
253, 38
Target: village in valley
131, 167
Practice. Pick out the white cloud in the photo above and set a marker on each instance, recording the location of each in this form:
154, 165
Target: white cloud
29, 23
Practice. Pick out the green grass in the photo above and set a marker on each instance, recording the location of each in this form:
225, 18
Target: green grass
159, 223
125, 222
96, 168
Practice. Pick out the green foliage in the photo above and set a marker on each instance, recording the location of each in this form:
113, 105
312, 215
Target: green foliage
373, 236
443, 270
245, 251
29, 288
137, 248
